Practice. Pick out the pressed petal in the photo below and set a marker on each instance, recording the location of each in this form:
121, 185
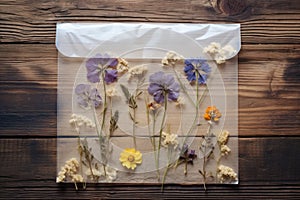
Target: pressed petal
156, 77
153, 88
93, 76
91, 64
82, 101
80, 89
159, 97
173, 96
110, 75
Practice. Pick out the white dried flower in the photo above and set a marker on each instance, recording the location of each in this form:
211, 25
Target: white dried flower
80, 120
122, 65
137, 71
225, 150
226, 174
169, 139
223, 137
111, 91
70, 169
172, 58
219, 54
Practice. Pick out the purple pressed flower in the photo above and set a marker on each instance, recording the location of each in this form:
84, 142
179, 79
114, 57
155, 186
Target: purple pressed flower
97, 64
196, 68
161, 84
87, 96
111, 76
187, 155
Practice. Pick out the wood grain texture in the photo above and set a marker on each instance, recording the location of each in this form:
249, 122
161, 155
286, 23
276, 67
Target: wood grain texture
269, 95
35, 160
34, 21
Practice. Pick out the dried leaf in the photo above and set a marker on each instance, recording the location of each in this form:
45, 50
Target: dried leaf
125, 91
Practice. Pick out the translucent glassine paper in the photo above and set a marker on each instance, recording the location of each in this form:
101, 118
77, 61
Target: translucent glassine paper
172, 141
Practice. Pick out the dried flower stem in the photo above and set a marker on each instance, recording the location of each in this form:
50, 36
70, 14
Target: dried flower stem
162, 126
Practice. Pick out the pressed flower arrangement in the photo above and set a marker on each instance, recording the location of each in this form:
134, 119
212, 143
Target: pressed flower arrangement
148, 120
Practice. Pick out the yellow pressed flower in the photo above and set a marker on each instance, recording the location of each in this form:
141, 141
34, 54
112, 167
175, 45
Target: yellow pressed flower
130, 158
212, 113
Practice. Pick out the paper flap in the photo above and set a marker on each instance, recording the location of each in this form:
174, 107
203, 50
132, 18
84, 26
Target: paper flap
80, 39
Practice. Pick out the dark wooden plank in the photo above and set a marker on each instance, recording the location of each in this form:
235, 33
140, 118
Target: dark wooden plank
269, 90
268, 169
34, 21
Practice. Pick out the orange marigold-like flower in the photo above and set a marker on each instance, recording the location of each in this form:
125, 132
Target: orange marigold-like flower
212, 113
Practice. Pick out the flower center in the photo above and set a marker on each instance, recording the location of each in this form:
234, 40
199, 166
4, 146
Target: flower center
130, 158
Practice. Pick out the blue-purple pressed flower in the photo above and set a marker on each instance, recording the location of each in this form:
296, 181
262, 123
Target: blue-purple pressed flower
98, 64
111, 76
87, 96
162, 84
197, 68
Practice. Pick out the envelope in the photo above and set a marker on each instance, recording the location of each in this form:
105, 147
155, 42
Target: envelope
147, 44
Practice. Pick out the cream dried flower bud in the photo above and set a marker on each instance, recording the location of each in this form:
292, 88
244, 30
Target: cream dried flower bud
172, 58
223, 137
169, 139
111, 91
225, 150
226, 174
219, 54
122, 65
137, 71
80, 120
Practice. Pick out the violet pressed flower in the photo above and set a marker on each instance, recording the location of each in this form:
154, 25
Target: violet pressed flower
187, 155
101, 63
197, 69
162, 84
87, 96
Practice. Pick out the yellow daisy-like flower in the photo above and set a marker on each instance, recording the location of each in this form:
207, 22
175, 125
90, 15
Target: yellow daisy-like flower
212, 113
130, 158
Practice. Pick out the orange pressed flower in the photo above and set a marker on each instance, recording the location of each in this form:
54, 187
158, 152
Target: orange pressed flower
212, 113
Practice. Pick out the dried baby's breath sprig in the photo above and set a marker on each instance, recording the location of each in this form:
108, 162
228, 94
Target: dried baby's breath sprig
172, 58
80, 120
137, 72
218, 53
226, 174
111, 91
70, 169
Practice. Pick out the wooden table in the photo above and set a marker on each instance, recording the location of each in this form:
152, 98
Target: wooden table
269, 95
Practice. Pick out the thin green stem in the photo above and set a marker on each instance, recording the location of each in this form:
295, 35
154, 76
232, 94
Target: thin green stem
162, 125
134, 127
104, 103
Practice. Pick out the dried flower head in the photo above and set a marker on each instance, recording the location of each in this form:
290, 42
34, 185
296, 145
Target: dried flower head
223, 137
96, 65
225, 150
138, 71
226, 174
122, 66
171, 58
87, 96
162, 84
70, 169
169, 139
219, 54
111, 91
130, 157
212, 114
196, 70
80, 120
